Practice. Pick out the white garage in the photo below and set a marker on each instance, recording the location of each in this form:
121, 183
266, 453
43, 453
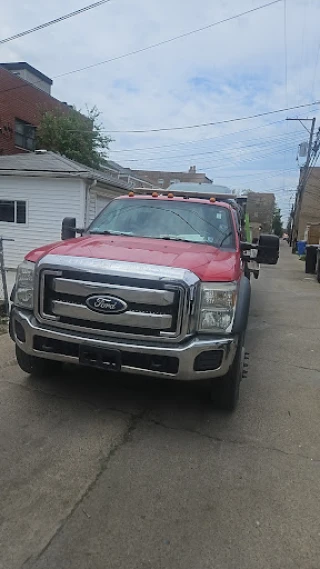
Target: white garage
39, 189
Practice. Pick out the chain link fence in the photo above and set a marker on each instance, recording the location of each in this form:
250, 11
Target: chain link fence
4, 294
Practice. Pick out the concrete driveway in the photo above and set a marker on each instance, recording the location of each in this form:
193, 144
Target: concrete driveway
100, 473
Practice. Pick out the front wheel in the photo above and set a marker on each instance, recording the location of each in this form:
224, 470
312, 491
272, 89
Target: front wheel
36, 366
225, 390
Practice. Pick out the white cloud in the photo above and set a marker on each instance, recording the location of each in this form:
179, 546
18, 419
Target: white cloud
235, 69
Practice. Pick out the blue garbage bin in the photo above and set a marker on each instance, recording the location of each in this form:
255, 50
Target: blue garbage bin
301, 248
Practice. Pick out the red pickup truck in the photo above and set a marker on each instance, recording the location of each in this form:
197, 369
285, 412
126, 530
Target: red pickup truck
158, 285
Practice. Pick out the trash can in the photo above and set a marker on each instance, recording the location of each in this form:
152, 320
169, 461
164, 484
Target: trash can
311, 258
301, 248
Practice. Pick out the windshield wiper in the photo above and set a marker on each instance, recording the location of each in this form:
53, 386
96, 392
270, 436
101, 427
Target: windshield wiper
100, 233
225, 237
107, 232
168, 238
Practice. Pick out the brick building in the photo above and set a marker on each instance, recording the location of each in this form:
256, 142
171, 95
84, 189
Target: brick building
260, 207
163, 179
307, 210
25, 93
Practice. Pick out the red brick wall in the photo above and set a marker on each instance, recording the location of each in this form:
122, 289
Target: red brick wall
19, 99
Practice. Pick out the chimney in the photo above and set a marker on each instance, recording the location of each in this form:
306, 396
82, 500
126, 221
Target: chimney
24, 71
192, 170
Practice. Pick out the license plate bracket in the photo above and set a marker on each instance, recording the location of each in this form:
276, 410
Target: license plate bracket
101, 358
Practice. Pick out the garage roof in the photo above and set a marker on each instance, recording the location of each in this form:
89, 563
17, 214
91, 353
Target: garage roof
44, 163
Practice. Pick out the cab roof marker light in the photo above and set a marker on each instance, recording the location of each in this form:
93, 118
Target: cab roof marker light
212, 199
154, 194
131, 194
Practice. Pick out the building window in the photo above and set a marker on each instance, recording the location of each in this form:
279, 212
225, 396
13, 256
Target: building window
160, 182
13, 211
25, 135
174, 181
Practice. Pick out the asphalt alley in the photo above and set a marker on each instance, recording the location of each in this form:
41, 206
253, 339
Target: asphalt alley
99, 473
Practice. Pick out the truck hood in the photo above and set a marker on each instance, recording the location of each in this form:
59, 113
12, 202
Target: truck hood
205, 261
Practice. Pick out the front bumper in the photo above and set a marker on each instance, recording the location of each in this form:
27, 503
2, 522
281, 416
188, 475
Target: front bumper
186, 361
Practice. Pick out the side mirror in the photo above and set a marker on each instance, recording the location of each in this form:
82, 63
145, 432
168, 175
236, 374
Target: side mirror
68, 228
245, 246
245, 250
268, 249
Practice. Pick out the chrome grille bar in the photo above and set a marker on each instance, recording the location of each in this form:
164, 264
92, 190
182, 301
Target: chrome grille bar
132, 294
129, 318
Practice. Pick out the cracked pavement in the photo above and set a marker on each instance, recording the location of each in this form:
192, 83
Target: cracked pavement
119, 473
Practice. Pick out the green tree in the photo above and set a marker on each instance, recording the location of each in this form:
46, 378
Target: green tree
277, 222
74, 135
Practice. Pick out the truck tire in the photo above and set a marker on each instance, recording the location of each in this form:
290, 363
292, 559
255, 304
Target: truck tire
36, 366
246, 271
225, 390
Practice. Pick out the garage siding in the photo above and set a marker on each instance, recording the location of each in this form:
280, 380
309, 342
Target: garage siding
102, 201
48, 201
98, 199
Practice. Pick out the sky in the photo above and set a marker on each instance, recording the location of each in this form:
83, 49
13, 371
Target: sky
260, 62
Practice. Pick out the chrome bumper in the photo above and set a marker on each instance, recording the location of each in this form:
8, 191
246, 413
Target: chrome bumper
185, 353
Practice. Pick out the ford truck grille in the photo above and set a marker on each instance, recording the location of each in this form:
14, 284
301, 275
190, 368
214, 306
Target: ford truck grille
154, 308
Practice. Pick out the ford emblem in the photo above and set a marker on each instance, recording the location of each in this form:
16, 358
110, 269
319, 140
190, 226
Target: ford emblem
106, 304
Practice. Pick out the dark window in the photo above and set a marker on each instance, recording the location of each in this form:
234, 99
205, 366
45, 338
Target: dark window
25, 135
13, 211
21, 212
7, 211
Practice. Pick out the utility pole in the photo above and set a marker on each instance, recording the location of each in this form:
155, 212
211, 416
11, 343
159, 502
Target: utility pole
302, 183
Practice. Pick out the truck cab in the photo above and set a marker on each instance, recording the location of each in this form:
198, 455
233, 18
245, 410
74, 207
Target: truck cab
157, 285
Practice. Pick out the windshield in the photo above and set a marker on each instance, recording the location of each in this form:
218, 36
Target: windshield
164, 219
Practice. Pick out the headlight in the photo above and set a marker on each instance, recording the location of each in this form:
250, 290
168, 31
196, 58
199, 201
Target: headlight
24, 285
217, 307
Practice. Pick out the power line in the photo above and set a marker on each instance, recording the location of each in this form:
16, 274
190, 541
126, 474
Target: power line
302, 46
158, 44
194, 140
202, 141
220, 164
56, 21
217, 165
255, 179
231, 157
180, 36
285, 50
234, 155
285, 80
218, 151
200, 125
214, 164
